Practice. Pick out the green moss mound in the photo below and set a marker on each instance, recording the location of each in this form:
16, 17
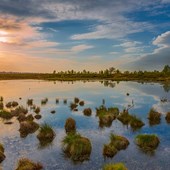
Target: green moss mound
26, 164
147, 142
76, 147
117, 166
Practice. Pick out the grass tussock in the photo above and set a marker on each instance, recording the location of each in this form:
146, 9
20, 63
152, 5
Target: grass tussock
147, 142
76, 147
19, 110
117, 166
81, 103
28, 127
73, 106
65, 101
44, 101
87, 112
12, 104
22, 117
167, 117
154, 117
26, 164
116, 144
46, 134
2, 155
57, 101
1, 99
1, 106
5, 114
70, 125
30, 102
106, 115
76, 100
37, 110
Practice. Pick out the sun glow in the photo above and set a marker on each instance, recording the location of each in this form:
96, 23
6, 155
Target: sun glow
3, 36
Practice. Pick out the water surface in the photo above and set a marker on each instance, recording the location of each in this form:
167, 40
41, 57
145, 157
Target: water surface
145, 96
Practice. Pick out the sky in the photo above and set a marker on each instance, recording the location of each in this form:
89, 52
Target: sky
47, 35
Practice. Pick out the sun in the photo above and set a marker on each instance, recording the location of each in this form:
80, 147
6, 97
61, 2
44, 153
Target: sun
3, 36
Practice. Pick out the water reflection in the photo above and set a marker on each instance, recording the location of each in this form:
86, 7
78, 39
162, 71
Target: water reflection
144, 97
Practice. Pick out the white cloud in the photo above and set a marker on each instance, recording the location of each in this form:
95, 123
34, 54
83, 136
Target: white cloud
80, 48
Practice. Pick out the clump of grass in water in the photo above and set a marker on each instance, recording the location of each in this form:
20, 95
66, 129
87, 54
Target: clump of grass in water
28, 127
12, 104
1, 106
37, 116
26, 164
70, 125
116, 143
167, 117
19, 110
146, 142
37, 110
135, 122
44, 101
76, 100
2, 155
154, 117
1, 99
76, 147
46, 134
65, 101
5, 114
81, 103
30, 102
106, 115
73, 106
117, 166
87, 112
57, 101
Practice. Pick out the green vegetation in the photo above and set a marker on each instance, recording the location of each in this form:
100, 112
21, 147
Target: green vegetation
131, 120
87, 112
154, 117
46, 134
111, 74
26, 164
2, 156
70, 125
147, 142
117, 166
106, 115
116, 144
76, 147
167, 117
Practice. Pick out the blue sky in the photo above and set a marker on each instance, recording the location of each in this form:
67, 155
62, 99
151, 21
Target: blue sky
47, 35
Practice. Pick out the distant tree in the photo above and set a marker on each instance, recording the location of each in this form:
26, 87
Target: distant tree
166, 69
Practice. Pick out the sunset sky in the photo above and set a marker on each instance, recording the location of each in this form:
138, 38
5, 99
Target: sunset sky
47, 35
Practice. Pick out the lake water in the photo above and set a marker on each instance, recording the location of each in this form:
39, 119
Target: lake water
145, 96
